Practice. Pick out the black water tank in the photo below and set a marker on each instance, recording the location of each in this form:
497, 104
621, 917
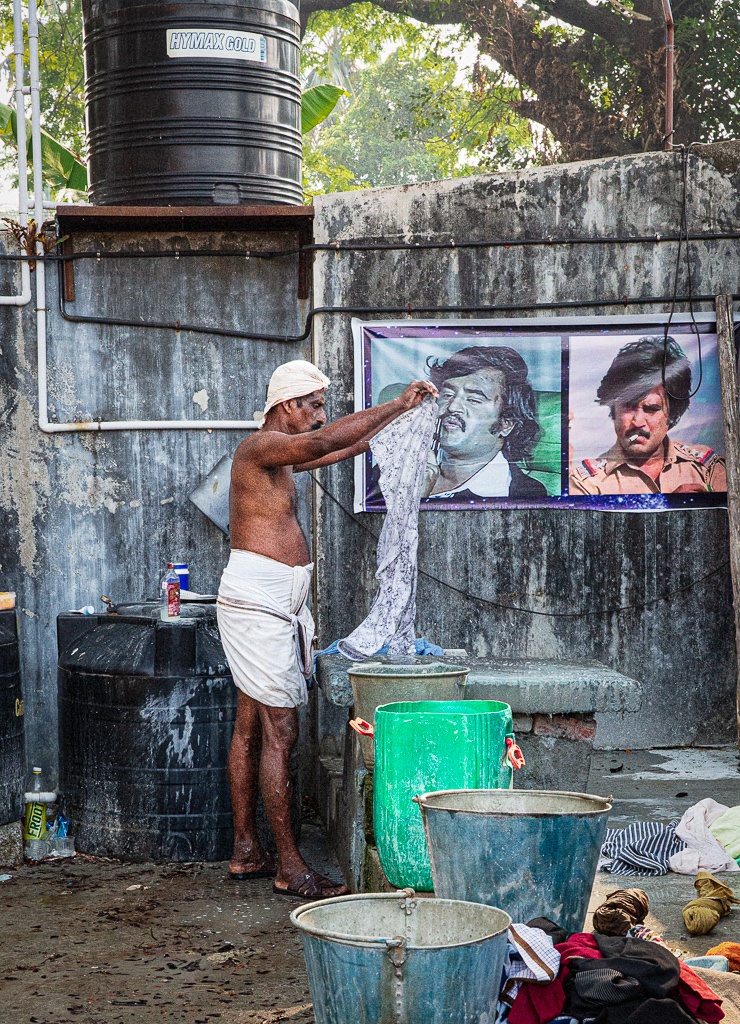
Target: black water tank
193, 103
12, 751
146, 712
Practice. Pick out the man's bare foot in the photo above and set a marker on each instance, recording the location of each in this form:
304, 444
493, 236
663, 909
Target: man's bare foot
256, 863
310, 885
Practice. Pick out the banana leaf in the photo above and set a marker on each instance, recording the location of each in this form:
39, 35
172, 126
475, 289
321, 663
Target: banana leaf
60, 167
317, 104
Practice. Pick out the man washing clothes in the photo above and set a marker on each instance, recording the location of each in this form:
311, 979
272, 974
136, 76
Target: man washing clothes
263, 615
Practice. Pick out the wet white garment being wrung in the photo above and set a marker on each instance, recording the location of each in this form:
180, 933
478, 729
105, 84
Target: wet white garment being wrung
400, 450
267, 628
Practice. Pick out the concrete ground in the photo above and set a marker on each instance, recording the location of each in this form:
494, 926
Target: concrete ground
659, 785
92, 941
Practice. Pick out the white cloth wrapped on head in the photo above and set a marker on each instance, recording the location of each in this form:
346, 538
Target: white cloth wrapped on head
267, 628
295, 379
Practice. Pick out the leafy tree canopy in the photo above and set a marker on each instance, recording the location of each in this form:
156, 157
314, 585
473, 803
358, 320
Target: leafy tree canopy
592, 73
62, 74
410, 114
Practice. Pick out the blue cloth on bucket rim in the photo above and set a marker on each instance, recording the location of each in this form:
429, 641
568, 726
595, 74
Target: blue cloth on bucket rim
423, 646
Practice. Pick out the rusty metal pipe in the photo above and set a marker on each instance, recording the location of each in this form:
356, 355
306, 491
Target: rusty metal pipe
669, 51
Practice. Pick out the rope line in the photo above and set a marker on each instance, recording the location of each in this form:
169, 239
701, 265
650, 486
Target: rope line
683, 232
533, 611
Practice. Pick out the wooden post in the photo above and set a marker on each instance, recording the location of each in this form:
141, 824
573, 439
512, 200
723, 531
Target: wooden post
731, 417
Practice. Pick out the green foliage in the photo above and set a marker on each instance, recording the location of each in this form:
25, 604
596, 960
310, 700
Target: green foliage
61, 168
412, 116
317, 103
708, 48
60, 58
62, 78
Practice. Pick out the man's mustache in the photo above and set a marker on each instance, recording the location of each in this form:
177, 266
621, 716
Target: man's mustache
452, 417
640, 432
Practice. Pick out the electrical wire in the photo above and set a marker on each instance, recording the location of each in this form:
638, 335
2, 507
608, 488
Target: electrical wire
546, 241
531, 611
404, 310
683, 231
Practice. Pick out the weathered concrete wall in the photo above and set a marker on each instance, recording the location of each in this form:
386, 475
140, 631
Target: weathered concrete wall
88, 514
564, 565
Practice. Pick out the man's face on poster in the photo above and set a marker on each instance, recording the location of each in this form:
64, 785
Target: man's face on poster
471, 410
641, 424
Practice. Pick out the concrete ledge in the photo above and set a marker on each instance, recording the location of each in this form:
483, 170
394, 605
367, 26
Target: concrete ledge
532, 685
529, 685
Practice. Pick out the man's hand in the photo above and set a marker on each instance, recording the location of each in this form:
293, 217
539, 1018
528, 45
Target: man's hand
412, 395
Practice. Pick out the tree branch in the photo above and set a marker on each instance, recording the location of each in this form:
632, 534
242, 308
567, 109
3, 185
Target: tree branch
547, 67
599, 21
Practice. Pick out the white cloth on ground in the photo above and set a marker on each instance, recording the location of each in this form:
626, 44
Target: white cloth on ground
267, 628
401, 451
703, 851
295, 379
530, 956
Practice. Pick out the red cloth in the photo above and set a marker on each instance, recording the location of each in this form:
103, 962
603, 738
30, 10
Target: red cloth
536, 1003
697, 996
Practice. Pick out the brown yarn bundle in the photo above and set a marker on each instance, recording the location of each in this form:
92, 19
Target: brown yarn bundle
729, 949
620, 910
715, 900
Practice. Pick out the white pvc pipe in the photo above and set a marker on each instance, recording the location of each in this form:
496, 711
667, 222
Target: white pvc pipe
24, 297
20, 113
38, 190
95, 425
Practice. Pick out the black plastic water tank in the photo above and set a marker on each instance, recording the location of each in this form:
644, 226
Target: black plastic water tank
12, 750
193, 102
146, 713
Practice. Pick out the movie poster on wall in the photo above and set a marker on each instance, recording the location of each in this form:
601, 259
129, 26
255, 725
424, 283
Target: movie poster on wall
605, 413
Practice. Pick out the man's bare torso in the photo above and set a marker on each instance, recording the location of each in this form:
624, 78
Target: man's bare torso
263, 503
263, 499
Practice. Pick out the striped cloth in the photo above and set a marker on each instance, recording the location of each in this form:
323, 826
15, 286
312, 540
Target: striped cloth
530, 956
643, 848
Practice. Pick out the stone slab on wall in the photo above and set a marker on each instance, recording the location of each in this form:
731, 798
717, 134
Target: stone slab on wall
563, 565
88, 514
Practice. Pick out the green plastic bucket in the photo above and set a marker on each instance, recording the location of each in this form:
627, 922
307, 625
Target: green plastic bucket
429, 745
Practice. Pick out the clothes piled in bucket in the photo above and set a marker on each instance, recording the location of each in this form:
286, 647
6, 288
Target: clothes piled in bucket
530, 956
643, 848
607, 980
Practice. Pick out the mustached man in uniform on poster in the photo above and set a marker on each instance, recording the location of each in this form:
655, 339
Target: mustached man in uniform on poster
487, 424
647, 389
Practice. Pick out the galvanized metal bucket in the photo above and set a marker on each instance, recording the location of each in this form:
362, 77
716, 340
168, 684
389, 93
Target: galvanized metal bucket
375, 683
531, 852
391, 958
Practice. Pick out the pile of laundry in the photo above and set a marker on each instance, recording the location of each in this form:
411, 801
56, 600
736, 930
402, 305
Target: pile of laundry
623, 975
706, 838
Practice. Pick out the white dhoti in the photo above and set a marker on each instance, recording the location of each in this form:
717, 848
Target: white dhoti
266, 627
